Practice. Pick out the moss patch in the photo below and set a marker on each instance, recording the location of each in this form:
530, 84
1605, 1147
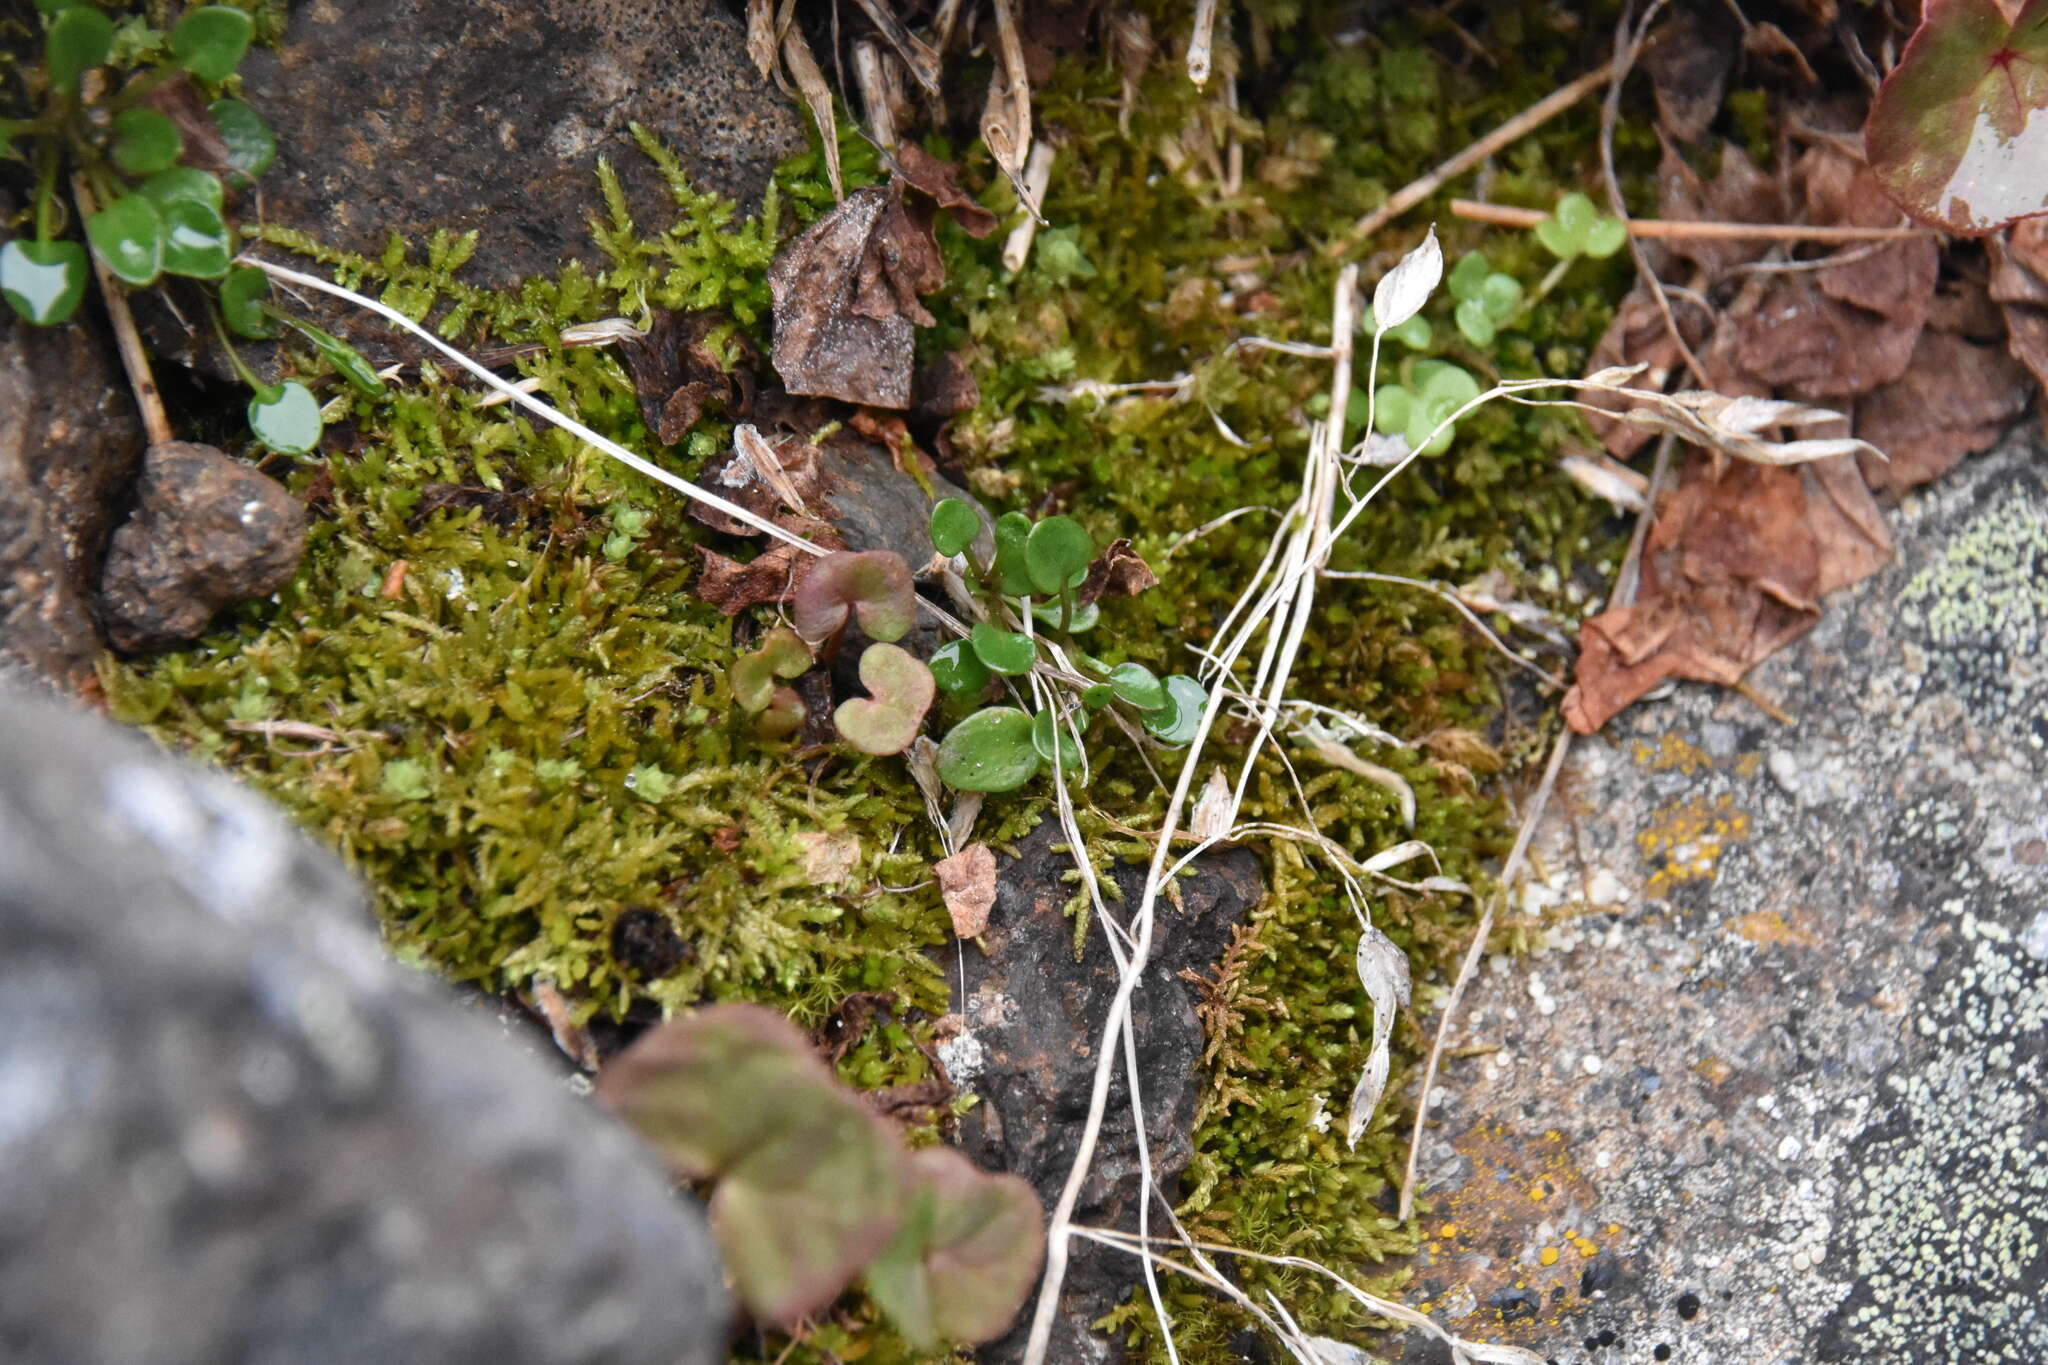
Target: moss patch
524, 737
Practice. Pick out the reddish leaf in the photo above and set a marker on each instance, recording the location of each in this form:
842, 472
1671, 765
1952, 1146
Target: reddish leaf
1952, 401
936, 178
900, 692
1958, 132
875, 585
967, 880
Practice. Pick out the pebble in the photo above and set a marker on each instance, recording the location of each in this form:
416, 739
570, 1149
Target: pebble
1590, 1064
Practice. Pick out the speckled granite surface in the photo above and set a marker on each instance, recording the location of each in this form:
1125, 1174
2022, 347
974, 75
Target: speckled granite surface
1777, 1090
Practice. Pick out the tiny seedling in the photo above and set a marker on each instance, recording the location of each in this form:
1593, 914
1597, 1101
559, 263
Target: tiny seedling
1486, 298
1417, 409
873, 586
900, 691
990, 751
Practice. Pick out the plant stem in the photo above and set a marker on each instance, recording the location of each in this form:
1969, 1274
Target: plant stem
133, 359
242, 371
1505, 215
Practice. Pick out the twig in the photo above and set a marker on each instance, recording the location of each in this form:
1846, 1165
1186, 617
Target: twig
133, 359
1522, 124
1505, 215
1201, 42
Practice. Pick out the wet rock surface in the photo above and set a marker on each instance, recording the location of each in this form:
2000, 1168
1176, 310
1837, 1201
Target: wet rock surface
234, 1131
69, 446
1034, 1021
404, 116
207, 531
1777, 1092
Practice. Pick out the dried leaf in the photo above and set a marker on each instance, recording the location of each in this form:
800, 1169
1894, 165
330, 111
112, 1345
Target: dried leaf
1688, 61
967, 880
1732, 425
846, 301
810, 83
1954, 400
1216, 811
770, 579
829, 859
939, 181
1333, 750
1116, 572
677, 374
1403, 290
1383, 970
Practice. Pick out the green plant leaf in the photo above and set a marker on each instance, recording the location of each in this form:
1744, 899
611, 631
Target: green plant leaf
873, 585
956, 669
1563, 233
1177, 722
1046, 730
145, 142
1958, 132
1138, 685
251, 145
1468, 275
964, 1258
781, 654
954, 525
1501, 295
1055, 552
242, 295
1013, 530
1606, 236
1003, 651
990, 751
43, 281
1393, 409
197, 243
210, 40
79, 40
1475, 322
1082, 619
900, 692
810, 1180
1441, 379
287, 418
184, 184
342, 356
1098, 696
128, 235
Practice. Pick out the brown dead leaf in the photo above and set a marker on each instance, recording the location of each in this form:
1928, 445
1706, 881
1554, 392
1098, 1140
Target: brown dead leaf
770, 577
829, 859
1117, 572
1734, 568
1688, 61
848, 1023
846, 300
741, 475
967, 880
939, 181
943, 389
1636, 336
1772, 49
1739, 193
2019, 284
1954, 400
678, 375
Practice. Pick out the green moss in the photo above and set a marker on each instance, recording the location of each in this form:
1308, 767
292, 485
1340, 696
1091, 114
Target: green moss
529, 734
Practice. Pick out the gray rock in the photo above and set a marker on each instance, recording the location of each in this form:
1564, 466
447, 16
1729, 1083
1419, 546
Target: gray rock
1788, 1082
405, 116
232, 1130
1035, 1018
207, 531
70, 442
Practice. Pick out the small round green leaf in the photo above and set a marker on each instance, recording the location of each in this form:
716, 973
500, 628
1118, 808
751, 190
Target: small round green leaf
956, 669
1605, 237
1083, 617
1502, 295
1474, 322
145, 142
242, 295
1013, 529
79, 40
1098, 696
128, 235
1415, 334
286, 418
1440, 379
196, 242
251, 144
184, 184
1393, 409
1138, 685
1056, 550
1004, 651
954, 526
210, 40
990, 751
1177, 722
43, 281
1425, 432
1468, 275
1046, 730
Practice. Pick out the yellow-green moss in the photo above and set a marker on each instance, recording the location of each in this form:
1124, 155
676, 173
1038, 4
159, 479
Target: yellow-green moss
530, 730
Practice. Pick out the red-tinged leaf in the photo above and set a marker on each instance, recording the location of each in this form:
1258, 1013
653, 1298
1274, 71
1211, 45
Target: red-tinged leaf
966, 1255
901, 691
1958, 133
875, 585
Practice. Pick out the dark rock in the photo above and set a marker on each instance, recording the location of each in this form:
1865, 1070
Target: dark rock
70, 442
406, 116
1037, 1015
207, 531
234, 1131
